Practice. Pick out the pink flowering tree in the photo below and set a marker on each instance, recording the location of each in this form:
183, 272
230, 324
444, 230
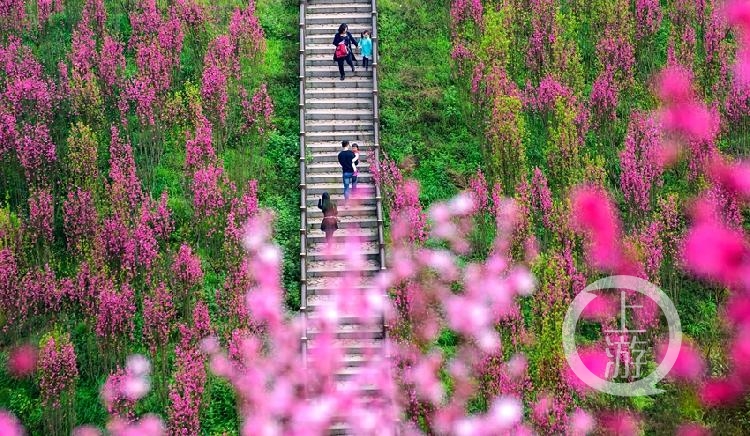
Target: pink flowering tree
58, 375
159, 315
188, 278
640, 162
114, 320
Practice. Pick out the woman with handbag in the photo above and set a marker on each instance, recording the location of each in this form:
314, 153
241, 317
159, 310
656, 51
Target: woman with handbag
330, 216
343, 42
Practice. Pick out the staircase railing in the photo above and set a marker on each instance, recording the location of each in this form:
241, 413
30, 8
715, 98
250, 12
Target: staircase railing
303, 183
376, 133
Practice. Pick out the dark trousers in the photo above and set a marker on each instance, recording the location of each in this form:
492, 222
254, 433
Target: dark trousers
365, 61
348, 60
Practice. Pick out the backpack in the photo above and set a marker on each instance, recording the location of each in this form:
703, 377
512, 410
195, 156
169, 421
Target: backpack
341, 51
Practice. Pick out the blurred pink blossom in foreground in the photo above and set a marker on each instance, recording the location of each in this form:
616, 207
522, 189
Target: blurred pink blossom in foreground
22, 361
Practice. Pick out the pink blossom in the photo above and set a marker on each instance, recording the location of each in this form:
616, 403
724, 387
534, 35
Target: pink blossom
478, 189
124, 188
22, 361
465, 10
620, 423
41, 215
214, 90
715, 252
199, 151
158, 316
593, 212
57, 369
682, 112
208, 199
201, 320
541, 197
617, 56
111, 64
246, 31
689, 366
544, 97
593, 358
738, 310
35, 150
258, 112
187, 267
581, 423
83, 55
9, 425
648, 16
716, 392
692, 429
79, 217
740, 354
185, 393
735, 177
191, 13
116, 312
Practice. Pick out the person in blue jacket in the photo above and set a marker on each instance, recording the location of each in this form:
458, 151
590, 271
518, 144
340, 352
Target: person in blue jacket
345, 38
365, 47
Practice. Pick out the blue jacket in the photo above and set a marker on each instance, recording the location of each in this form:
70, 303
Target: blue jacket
365, 47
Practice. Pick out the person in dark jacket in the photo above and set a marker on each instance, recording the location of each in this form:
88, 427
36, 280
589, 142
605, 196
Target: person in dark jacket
345, 38
346, 157
330, 216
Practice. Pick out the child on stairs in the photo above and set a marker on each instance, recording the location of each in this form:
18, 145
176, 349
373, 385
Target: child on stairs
365, 48
355, 161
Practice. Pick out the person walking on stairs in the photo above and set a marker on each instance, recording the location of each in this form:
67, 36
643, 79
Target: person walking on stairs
330, 221
346, 157
343, 42
365, 48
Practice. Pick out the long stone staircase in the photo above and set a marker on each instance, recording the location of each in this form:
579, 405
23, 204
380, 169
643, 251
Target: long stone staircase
332, 110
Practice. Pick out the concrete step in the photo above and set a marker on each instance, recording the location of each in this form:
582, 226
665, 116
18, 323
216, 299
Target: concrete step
357, 21
330, 68
332, 125
336, 2
339, 8
356, 360
365, 151
336, 177
320, 251
319, 38
352, 18
335, 268
347, 222
327, 167
337, 103
326, 59
315, 114
355, 347
325, 285
338, 93
321, 155
326, 48
341, 235
352, 331
340, 135
335, 188
360, 82
358, 210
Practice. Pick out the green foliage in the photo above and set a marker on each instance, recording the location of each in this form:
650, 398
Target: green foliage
426, 119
